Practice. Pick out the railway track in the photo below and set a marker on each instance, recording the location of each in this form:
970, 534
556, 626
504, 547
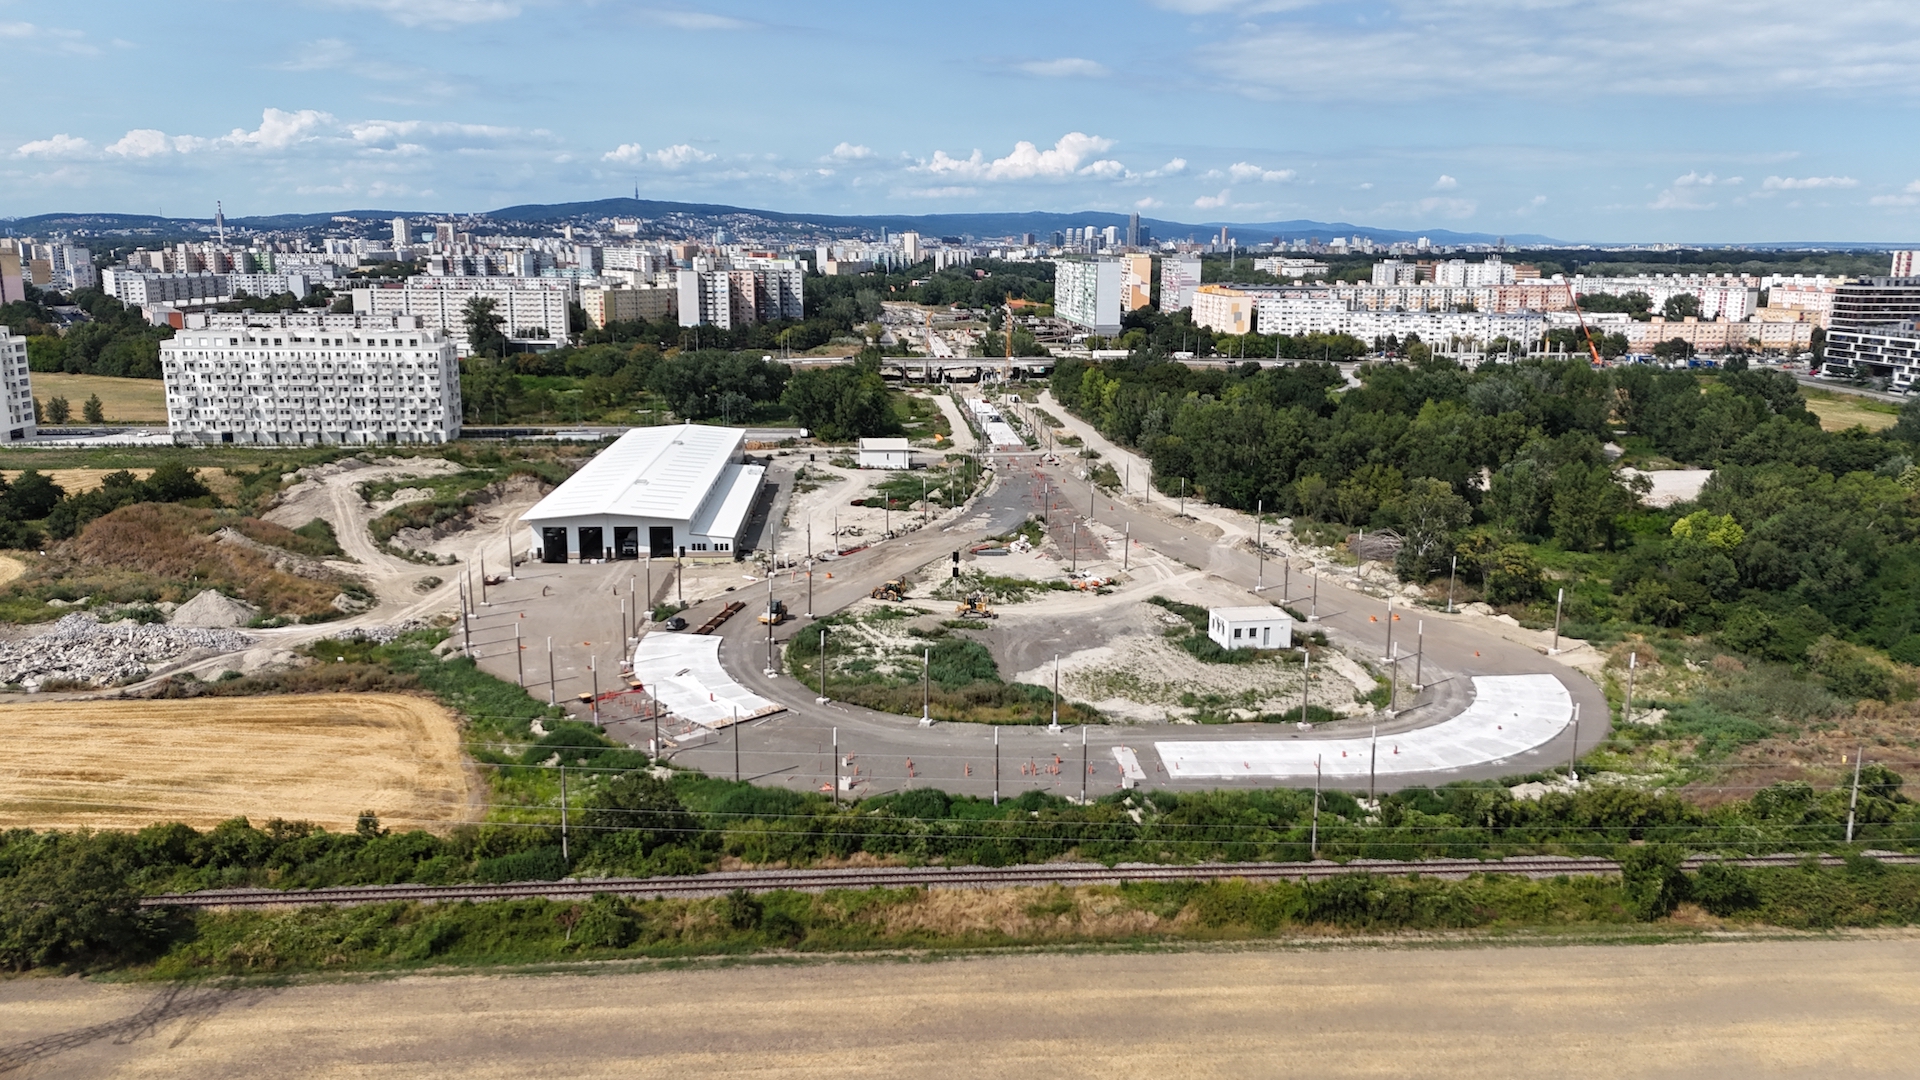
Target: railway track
954, 877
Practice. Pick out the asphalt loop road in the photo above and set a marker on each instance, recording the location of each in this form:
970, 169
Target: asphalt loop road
793, 748
1733, 1009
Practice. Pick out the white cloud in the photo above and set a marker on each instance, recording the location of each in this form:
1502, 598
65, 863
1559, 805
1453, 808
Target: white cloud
1241, 172
1686, 192
57, 147
142, 143
47, 37
1796, 183
1910, 196
1066, 67
279, 130
697, 20
1171, 168
1453, 208
679, 155
1445, 183
1026, 162
1214, 202
1664, 49
440, 14
1147, 203
1105, 169
624, 154
847, 151
373, 133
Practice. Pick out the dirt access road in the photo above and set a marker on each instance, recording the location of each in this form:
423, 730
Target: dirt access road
1735, 1009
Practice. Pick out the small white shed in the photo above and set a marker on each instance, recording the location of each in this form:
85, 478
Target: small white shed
885, 454
1261, 627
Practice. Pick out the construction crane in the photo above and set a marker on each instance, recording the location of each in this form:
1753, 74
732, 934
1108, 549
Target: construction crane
1591, 347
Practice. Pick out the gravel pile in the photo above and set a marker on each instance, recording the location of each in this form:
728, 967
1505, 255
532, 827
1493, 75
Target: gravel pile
80, 648
381, 635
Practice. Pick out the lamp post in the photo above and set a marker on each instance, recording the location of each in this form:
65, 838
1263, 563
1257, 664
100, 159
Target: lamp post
1055, 725
926, 692
1558, 603
1626, 713
822, 699
1259, 549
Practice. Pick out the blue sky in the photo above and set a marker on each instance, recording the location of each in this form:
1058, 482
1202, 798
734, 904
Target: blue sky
1679, 120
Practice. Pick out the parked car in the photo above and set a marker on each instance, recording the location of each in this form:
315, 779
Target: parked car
676, 623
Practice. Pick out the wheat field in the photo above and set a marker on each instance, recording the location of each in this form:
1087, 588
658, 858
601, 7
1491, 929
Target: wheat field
321, 758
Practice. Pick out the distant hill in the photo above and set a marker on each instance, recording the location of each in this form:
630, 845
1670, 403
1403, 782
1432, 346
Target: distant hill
995, 224
1041, 223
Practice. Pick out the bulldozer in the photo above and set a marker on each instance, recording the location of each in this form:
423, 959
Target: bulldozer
895, 590
975, 607
775, 614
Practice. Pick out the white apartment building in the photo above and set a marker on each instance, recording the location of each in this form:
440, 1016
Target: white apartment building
1461, 273
305, 379
1086, 292
1281, 266
1905, 264
1389, 272
62, 267
1731, 296
532, 308
1179, 277
753, 290
17, 385
269, 284
143, 287
1293, 316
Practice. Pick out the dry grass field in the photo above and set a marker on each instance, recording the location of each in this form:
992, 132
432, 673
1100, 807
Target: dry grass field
1838, 412
123, 400
76, 481
321, 758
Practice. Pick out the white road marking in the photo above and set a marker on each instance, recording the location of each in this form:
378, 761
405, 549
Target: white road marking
1510, 715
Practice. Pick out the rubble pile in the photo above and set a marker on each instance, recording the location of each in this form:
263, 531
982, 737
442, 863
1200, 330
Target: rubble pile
81, 649
381, 635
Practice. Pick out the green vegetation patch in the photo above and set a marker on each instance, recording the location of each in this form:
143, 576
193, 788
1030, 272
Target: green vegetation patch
881, 668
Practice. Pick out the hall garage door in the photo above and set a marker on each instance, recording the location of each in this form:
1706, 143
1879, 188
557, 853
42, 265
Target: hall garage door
553, 544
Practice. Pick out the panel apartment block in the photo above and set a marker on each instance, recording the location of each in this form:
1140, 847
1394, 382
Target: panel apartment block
532, 308
17, 385
306, 379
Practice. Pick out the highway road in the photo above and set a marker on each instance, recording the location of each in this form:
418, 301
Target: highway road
894, 752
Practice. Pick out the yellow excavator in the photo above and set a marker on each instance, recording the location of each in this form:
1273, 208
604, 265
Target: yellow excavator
895, 590
975, 607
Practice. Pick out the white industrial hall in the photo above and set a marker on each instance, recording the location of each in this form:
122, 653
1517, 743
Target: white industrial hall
657, 492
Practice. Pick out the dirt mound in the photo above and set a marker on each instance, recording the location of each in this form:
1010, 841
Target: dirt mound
171, 546
214, 610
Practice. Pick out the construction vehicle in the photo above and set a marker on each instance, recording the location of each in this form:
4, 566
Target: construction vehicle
975, 607
895, 590
775, 614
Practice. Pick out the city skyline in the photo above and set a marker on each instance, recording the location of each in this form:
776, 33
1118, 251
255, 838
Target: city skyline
1669, 123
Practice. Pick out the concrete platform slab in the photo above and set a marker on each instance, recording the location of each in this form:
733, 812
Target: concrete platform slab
1510, 714
684, 672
